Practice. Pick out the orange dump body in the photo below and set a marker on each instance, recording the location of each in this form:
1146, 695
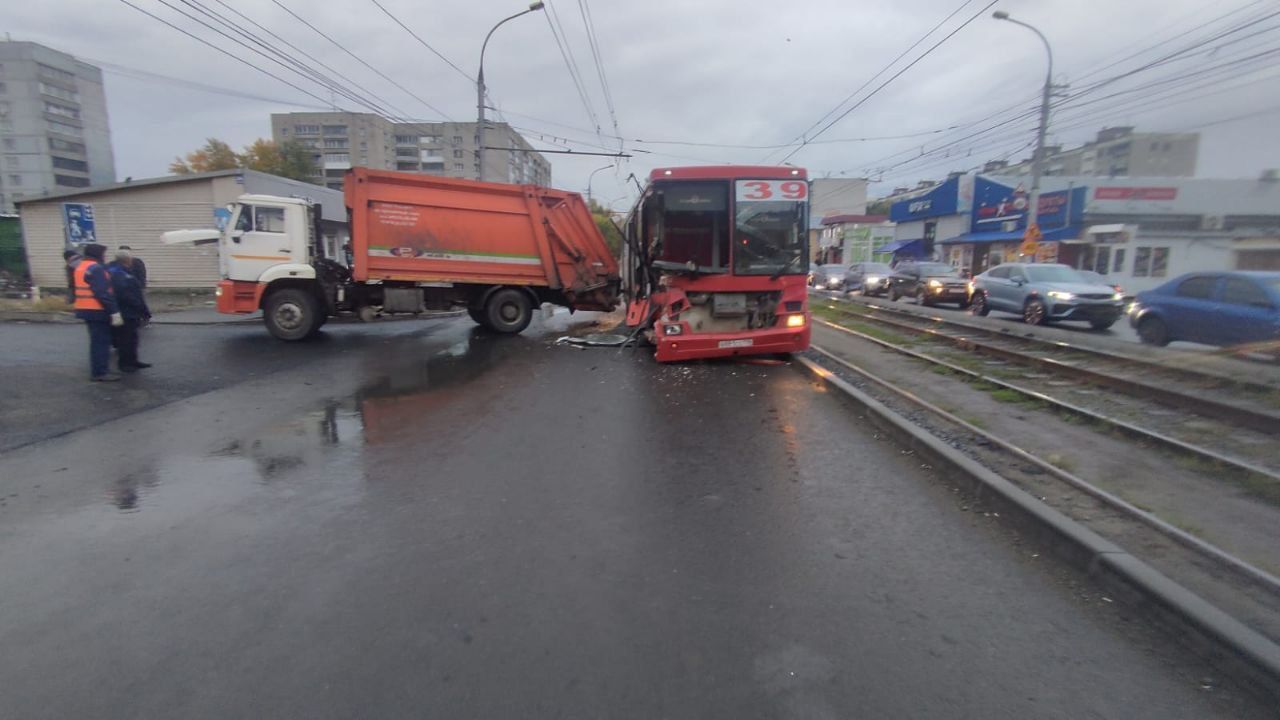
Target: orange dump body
420, 228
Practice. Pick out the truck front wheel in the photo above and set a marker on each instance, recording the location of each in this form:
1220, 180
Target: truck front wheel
508, 311
292, 314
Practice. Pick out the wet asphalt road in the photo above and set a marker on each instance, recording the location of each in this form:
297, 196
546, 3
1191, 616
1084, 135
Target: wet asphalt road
422, 520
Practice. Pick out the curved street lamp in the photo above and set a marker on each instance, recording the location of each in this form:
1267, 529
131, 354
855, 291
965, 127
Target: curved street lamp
590, 177
1037, 161
533, 6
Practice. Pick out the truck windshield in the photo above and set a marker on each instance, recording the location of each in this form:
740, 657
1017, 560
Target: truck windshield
769, 238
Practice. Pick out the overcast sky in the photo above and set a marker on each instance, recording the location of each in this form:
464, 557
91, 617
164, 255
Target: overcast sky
743, 72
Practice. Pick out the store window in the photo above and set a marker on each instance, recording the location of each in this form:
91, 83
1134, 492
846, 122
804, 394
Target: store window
1118, 262
1159, 261
1142, 262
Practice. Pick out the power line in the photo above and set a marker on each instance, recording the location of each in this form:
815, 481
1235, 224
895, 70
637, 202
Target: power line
358, 59
309, 56
136, 74
228, 53
587, 23
1175, 54
281, 58
424, 43
1004, 112
1097, 69
871, 79
893, 77
566, 52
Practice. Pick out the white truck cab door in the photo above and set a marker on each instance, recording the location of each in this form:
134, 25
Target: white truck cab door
260, 239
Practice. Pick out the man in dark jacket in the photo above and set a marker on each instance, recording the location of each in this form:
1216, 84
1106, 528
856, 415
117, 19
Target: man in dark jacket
134, 265
134, 310
95, 303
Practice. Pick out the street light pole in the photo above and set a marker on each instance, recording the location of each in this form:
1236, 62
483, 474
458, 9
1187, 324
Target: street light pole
536, 5
590, 177
1037, 161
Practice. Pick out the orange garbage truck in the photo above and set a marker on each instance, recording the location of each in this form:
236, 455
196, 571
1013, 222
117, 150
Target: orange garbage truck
413, 243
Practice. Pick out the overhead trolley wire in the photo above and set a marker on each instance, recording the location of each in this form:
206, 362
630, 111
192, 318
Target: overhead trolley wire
893, 77
228, 53
424, 43
850, 96
360, 60
566, 52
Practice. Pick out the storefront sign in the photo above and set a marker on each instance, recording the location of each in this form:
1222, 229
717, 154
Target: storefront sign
939, 201
1135, 193
996, 204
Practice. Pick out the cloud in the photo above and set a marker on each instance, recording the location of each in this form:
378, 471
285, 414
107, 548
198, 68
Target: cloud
716, 71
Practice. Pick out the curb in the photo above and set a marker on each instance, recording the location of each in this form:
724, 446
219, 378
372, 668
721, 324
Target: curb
1222, 638
36, 316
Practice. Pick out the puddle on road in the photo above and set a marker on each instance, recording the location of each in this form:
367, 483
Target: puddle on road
323, 449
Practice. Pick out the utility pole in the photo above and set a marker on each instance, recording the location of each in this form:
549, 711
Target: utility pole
480, 144
1037, 160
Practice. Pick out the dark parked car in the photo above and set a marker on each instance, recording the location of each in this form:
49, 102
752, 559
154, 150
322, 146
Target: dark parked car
929, 283
868, 278
828, 277
1047, 292
1225, 308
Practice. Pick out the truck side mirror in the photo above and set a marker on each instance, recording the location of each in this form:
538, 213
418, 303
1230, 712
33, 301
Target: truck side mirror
236, 235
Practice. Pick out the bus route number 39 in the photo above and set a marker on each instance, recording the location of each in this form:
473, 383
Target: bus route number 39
771, 190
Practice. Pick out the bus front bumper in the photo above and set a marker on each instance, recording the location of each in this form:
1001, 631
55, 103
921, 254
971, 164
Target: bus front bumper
697, 346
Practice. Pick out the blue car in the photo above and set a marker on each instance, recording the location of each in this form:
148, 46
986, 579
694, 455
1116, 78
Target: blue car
1215, 308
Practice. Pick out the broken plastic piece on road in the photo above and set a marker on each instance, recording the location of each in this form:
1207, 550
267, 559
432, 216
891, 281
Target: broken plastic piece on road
593, 340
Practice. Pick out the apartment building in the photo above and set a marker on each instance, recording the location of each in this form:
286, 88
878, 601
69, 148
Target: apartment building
1116, 152
341, 140
54, 133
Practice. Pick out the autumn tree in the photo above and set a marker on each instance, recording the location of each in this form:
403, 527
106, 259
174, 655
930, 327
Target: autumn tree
604, 220
215, 155
289, 159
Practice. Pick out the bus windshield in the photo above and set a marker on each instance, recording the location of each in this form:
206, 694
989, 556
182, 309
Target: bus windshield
769, 231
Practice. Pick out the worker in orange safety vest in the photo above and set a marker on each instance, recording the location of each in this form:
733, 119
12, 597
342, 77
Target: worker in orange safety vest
95, 304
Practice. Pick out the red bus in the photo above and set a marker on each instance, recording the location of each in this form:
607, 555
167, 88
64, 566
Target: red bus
716, 260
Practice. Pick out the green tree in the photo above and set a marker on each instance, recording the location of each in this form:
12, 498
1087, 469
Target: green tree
289, 159
297, 161
604, 220
878, 207
214, 155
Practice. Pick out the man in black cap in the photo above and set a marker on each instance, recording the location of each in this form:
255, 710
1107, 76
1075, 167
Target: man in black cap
95, 304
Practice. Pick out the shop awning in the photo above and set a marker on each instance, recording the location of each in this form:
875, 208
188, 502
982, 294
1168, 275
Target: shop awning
900, 246
1062, 233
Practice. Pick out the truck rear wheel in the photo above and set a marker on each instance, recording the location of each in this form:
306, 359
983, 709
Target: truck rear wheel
292, 314
508, 311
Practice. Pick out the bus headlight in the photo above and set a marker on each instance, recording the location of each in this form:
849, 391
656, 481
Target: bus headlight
795, 321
